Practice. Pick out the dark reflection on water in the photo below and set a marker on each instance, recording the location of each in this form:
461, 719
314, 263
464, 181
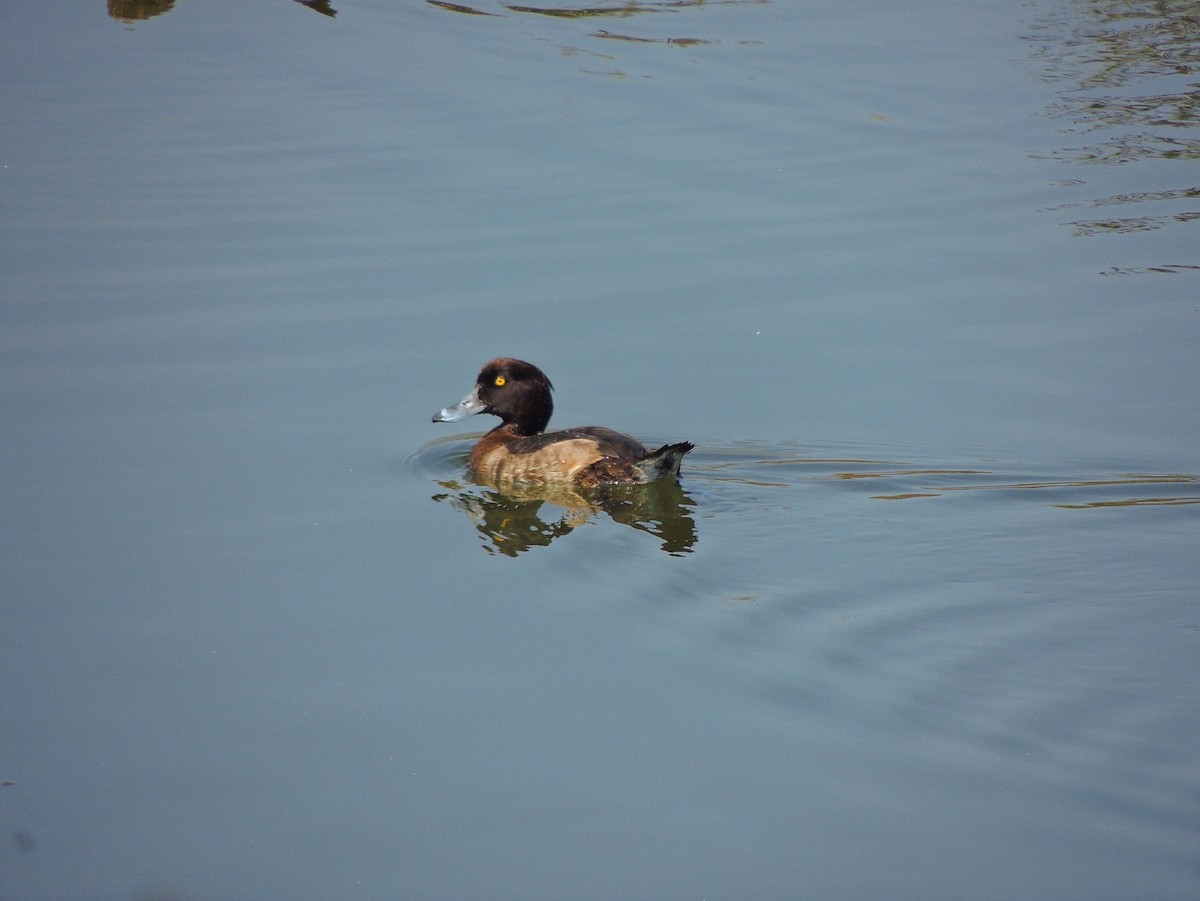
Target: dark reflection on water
1128, 71
515, 518
618, 11
458, 8
140, 10
587, 12
319, 6
679, 42
136, 10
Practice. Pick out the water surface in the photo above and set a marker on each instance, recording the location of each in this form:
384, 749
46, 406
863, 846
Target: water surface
919, 619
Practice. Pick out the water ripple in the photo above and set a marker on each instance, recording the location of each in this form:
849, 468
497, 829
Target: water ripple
908, 479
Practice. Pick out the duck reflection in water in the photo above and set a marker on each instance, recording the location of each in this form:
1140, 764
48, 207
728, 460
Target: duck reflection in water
137, 10
512, 518
585, 470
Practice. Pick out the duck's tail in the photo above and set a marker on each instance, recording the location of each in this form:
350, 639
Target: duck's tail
664, 461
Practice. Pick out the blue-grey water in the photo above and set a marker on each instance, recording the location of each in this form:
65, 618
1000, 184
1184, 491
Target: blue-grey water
921, 618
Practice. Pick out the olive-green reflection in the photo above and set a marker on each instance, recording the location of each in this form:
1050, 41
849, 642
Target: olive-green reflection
620, 10
135, 10
678, 42
138, 10
458, 8
1101, 52
514, 518
587, 12
1052, 485
577, 12
319, 6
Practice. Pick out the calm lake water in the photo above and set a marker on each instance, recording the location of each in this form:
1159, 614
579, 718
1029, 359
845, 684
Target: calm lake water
921, 618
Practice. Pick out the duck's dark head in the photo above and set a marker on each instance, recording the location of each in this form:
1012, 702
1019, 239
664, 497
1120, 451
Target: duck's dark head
516, 391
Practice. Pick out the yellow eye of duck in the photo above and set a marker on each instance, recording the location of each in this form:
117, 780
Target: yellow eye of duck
500, 380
